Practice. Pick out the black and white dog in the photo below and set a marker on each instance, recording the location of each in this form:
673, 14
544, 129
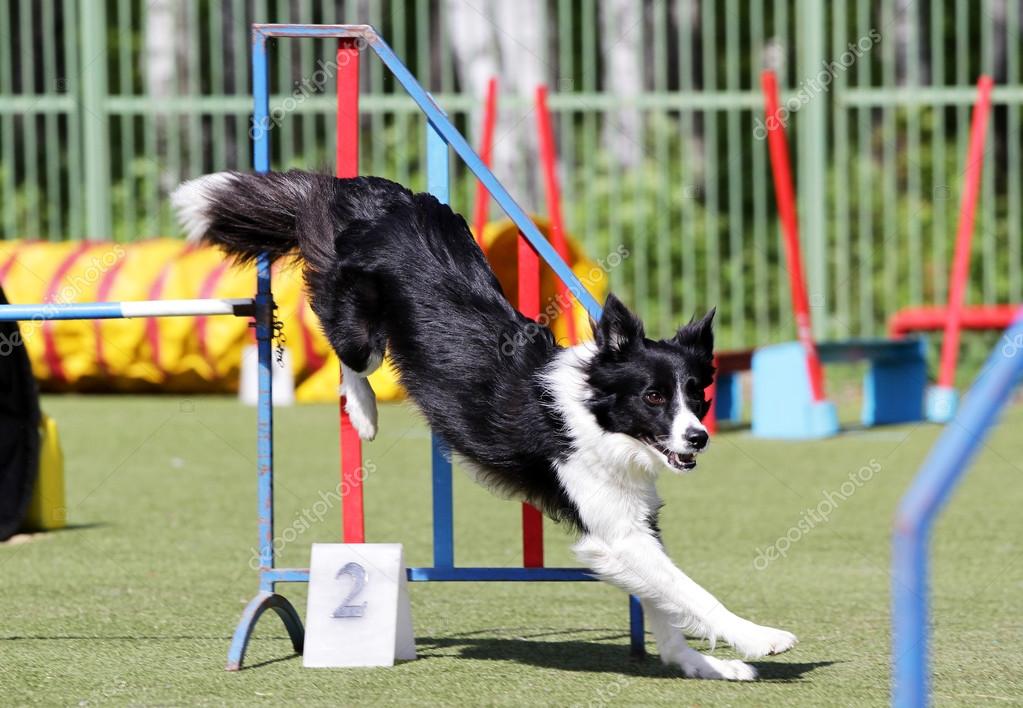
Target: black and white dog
579, 432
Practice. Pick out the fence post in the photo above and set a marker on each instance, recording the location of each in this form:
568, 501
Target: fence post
812, 135
92, 68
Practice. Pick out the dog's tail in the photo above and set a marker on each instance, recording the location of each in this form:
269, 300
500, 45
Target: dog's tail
279, 213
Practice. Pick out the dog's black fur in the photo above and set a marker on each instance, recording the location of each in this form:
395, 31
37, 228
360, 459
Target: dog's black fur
387, 268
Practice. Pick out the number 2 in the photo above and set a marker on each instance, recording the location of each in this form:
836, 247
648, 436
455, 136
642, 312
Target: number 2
358, 576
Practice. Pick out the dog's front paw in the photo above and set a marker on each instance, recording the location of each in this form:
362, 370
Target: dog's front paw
753, 640
697, 665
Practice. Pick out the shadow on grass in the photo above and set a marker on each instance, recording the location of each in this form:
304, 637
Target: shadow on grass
29, 535
268, 662
590, 655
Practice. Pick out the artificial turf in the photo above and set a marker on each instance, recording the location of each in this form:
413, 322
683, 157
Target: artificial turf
135, 603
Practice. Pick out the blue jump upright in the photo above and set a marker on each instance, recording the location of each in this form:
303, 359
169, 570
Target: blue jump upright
944, 467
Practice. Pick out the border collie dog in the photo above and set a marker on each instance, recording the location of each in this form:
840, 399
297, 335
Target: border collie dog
580, 432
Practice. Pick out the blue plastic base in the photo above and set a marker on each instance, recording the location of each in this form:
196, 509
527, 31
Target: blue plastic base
728, 397
894, 385
783, 406
941, 404
822, 419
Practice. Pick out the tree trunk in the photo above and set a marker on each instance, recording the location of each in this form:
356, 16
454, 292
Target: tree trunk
506, 40
163, 34
621, 35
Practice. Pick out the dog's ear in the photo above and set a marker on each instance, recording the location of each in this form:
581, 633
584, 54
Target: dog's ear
698, 334
618, 330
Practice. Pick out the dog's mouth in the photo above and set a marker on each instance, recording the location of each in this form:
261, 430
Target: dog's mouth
681, 461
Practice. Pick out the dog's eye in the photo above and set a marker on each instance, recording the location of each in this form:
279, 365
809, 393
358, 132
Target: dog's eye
654, 398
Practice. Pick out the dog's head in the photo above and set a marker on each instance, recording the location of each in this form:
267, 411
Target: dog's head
652, 390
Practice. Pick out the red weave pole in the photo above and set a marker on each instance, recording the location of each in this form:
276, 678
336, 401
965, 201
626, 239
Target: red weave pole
529, 305
785, 194
964, 233
353, 527
548, 156
482, 208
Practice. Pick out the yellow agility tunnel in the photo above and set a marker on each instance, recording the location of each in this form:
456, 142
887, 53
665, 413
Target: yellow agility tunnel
203, 354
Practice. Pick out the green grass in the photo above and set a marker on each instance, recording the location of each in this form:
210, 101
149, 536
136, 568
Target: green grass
135, 604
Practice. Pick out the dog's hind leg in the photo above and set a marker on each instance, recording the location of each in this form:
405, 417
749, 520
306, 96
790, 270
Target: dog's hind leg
360, 402
354, 332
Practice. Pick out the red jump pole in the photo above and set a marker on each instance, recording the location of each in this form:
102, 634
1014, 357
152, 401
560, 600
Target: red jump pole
482, 207
784, 192
347, 165
548, 156
964, 234
529, 305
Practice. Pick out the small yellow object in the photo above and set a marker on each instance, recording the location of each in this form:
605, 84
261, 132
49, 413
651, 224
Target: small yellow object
47, 510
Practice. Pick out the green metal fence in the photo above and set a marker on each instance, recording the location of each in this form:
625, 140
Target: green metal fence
89, 148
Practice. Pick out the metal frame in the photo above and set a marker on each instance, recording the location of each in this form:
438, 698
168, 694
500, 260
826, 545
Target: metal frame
441, 134
945, 465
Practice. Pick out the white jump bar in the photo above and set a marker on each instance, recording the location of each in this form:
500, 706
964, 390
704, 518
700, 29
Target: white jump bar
240, 307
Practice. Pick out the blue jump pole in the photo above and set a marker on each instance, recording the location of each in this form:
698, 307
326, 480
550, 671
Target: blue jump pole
439, 185
264, 320
266, 598
928, 493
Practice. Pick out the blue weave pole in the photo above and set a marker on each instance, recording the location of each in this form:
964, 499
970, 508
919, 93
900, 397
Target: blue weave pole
928, 493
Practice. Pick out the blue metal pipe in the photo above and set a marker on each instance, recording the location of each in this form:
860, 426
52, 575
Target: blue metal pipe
264, 327
438, 176
127, 309
454, 138
71, 311
637, 630
483, 173
920, 505
499, 574
454, 574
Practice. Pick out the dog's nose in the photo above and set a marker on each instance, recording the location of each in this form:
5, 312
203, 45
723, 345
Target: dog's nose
697, 438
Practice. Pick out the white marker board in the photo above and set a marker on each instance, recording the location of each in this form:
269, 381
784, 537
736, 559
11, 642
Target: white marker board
358, 612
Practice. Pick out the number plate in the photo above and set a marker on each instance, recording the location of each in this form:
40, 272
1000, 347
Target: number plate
358, 612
